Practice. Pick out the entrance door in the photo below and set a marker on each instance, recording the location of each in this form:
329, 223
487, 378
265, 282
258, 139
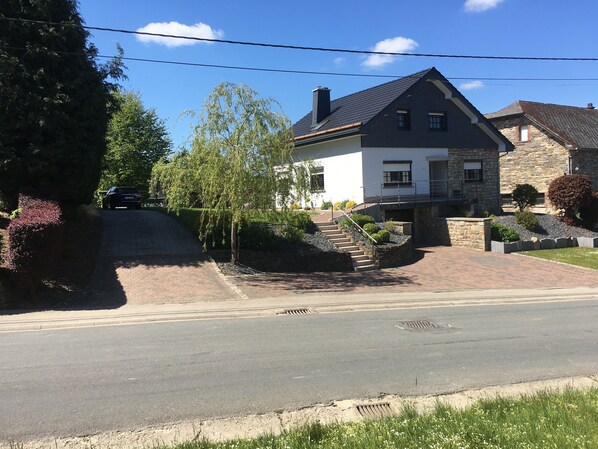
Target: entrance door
438, 178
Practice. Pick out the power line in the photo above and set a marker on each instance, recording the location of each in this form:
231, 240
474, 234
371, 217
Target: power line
304, 72
302, 47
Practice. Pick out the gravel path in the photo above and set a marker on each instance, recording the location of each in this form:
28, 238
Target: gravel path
550, 228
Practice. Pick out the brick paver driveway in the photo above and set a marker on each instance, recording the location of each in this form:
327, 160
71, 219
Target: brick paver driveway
433, 269
148, 258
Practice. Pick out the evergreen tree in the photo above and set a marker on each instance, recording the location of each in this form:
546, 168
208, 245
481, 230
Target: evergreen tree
53, 103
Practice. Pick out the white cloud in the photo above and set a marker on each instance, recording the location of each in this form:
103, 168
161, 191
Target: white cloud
339, 62
481, 5
175, 28
472, 85
394, 45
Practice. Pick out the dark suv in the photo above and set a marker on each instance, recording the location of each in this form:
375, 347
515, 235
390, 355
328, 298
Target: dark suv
122, 197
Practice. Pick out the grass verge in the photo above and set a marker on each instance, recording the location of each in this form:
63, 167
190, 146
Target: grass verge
583, 257
547, 420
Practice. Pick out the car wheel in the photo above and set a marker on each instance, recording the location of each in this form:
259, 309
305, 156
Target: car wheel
104, 205
112, 205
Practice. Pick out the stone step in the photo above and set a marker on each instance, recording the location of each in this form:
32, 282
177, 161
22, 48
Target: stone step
366, 267
343, 245
355, 252
361, 263
332, 233
360, 258
327, 227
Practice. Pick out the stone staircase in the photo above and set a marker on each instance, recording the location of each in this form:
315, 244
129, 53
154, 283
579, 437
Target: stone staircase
361, 262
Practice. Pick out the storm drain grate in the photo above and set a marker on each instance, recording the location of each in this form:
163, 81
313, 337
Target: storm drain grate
375, 411
303, 311
420, 325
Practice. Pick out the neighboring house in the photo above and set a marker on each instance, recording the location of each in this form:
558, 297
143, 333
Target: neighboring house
413, 147
550, 140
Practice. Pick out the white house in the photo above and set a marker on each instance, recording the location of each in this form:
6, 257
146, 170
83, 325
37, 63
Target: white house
411, 146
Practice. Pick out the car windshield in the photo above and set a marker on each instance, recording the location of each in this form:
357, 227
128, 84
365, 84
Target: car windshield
127, 190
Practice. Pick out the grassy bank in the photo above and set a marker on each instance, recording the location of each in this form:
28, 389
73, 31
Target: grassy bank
565, 420
583, 257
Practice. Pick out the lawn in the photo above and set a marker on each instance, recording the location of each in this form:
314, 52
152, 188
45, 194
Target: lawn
583, 257
548, 420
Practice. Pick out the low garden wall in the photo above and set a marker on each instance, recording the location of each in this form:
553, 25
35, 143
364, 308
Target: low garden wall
537, 244
462, 232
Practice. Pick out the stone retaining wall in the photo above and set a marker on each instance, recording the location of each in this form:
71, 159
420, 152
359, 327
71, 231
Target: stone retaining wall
471, 233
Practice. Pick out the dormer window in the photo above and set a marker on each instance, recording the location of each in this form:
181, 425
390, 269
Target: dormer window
403, 119
524, 133
437, 121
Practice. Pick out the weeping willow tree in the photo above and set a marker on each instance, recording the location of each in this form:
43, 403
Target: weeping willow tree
241, 161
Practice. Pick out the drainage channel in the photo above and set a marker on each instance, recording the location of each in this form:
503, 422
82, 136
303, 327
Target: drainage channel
375, 410
418, 325
300, 311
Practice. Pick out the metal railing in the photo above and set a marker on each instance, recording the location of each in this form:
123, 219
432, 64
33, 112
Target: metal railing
425, 191
359, 228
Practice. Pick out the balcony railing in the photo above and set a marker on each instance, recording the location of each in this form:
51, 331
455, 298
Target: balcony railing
421, 192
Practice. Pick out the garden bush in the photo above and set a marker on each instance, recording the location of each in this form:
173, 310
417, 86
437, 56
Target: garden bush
502, 233
371, 228
589, 212
34, 241
361, 220
382, 236
527, 219
569, 193
389, 226
524, 196
350, 204
292, 233
326, 205
257, 236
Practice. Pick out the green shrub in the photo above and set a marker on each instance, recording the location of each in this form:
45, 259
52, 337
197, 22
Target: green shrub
361, 220
345, 223
301, 220
389, 226
326, 205
382, 236
292, 233
295, 206
257, 236
371, 228
527, 219
570, 192
15, 213
502, 233
524, 196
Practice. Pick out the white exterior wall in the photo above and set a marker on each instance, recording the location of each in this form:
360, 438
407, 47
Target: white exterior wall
373, 168
343, 174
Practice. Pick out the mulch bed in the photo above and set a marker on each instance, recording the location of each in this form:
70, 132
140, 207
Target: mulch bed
550, 228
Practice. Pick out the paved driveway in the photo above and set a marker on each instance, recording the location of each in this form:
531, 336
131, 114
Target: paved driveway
438, 268
148, 258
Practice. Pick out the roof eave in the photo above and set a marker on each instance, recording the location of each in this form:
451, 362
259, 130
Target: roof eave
330, 134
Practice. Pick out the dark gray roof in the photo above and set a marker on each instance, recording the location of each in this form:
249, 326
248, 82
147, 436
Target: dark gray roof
575, 126
359, 107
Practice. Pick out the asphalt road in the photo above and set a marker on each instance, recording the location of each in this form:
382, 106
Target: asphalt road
83, 381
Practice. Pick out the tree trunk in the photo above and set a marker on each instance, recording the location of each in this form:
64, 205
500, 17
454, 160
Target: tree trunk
234, 243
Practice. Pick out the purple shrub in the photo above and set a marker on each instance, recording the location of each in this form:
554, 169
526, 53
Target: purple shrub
34, 241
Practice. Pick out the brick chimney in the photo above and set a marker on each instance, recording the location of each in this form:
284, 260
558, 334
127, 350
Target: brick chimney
321, 105
590, 106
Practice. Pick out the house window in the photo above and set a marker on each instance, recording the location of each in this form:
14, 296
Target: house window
403, 119
473, 171
437, 121
317, 179
523, 133
396, 173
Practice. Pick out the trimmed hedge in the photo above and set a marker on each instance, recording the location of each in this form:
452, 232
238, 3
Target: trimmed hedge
34, 241
527, 219
361, 220
382, 236
524, 196
371, 228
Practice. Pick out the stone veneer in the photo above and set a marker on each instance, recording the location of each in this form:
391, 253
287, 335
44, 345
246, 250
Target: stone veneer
471, 233
587, 163
536, 162
486, 192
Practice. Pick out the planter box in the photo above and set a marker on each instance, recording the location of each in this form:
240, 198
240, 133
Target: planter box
547, 244
502, 247
588, 242
561, 242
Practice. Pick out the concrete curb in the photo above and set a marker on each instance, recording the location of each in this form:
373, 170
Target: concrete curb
268, 307
275, 422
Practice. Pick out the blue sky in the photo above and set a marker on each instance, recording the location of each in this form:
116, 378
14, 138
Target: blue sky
550, 28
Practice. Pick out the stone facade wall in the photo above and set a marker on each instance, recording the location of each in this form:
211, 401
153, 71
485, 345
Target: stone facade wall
471, 233
536, 162
587, 163
486, 192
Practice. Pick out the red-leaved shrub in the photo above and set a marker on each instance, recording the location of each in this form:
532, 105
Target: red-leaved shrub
570, 192
34, 241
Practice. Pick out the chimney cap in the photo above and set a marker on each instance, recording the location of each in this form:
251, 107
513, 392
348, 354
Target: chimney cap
590, 106
320, 88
